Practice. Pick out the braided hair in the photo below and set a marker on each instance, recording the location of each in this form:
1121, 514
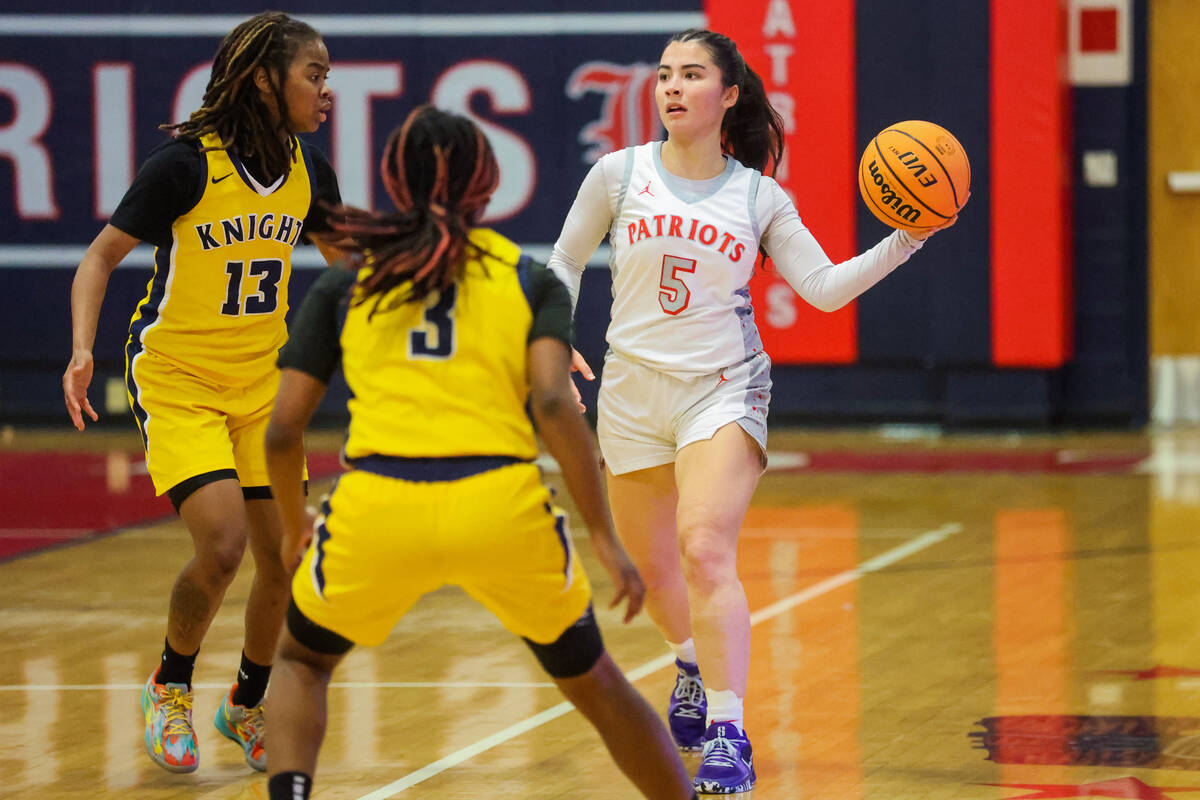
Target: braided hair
440, 172
752, 130
233, 108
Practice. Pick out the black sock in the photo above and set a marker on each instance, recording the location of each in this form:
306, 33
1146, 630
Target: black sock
251, 683
176, 668
289, 786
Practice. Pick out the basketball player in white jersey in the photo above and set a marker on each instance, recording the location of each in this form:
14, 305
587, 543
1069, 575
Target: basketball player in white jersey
683, 404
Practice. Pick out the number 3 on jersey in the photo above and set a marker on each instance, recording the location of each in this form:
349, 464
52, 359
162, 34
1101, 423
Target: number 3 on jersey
434, 340
674, 296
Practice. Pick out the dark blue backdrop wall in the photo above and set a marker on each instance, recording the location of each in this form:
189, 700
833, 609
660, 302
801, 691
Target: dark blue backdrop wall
556, 84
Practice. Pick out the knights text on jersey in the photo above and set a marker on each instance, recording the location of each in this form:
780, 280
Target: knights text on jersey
681, 267
216, 303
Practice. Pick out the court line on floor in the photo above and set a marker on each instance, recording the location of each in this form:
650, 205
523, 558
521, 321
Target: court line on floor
898, 553
44, 533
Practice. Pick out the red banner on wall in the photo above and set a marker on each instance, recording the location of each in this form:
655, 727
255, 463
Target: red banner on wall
809, 67
1032, 304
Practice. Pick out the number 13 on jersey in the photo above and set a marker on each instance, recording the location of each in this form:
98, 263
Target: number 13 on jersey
264, 295
674, 296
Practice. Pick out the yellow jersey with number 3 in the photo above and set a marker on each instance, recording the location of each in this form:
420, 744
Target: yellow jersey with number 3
216, 303
446, 376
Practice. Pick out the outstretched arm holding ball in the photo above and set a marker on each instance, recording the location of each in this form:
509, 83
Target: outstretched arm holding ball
914, 176
925, 234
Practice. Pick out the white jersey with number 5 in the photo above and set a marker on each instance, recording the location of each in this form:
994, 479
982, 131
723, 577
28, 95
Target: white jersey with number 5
683, 253
680, 269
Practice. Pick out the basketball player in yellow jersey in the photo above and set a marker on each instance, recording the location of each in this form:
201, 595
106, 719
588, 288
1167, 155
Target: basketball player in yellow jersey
444, 331
224, 202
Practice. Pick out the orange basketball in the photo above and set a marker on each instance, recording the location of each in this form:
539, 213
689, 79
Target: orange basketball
914, 175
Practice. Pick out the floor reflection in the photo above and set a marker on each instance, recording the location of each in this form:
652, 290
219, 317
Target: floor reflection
1012, 622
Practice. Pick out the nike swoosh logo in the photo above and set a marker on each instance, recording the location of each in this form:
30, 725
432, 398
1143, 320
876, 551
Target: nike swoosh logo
223, 177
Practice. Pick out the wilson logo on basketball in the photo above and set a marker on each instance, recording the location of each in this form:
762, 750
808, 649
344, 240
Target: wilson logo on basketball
889, 197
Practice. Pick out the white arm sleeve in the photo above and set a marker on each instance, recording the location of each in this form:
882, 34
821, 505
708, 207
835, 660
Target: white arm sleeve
585, 227
803, 264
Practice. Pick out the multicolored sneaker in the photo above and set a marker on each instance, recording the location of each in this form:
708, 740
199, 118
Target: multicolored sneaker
727, 765
247, 727
170, 738
688, 708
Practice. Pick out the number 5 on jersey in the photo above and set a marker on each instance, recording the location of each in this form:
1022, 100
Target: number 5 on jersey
674, 296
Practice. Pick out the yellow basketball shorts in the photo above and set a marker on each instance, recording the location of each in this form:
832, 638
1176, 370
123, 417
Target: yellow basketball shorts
383, 542
191, 426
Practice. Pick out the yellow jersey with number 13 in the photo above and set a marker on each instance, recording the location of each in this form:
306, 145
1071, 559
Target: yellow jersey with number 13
216, 303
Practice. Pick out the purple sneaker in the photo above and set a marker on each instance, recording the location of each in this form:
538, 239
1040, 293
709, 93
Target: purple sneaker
688, 708
727, 766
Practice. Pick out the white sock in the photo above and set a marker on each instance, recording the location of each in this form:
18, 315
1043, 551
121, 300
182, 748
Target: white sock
685, 651
724, 706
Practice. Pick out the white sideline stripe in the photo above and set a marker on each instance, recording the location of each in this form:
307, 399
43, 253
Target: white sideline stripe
775, 609
875, 564
441, 765
55, 256
373, 25
776, 459
127, 687
42, 533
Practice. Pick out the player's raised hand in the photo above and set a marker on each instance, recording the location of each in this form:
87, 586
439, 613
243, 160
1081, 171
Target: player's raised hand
580, 365
920, 237
75, 382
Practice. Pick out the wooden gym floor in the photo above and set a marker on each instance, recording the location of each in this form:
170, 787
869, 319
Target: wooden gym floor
967, 617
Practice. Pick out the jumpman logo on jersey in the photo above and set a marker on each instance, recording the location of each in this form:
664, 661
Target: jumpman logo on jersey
647, 189
723, 379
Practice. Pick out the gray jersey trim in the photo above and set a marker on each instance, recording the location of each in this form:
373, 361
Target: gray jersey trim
752, 343
756, 400
752, 204
625, 177
624, 182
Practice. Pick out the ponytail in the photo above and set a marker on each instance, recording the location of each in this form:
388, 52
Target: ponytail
752, 131
440, 172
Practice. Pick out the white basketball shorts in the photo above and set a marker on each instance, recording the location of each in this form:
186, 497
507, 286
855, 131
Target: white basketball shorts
645, 417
